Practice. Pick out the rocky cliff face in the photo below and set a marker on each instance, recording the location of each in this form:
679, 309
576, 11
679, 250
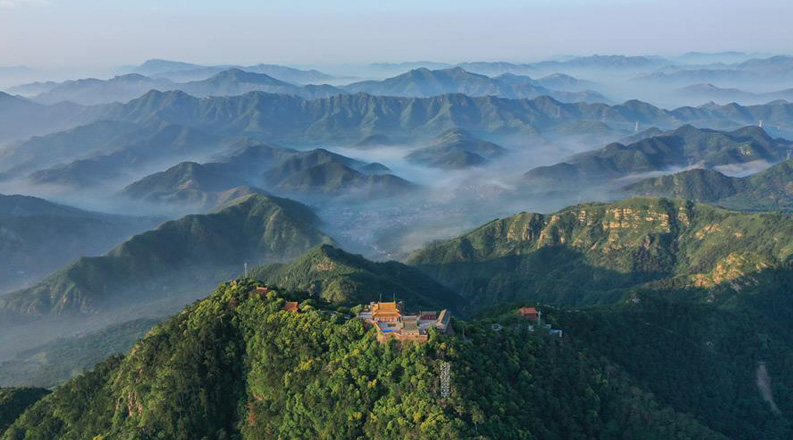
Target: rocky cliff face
603, 247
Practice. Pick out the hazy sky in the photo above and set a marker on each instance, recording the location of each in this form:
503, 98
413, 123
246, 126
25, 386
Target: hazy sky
111, 32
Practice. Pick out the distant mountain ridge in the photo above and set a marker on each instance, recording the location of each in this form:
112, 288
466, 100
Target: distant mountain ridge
234, 82
93, 91
226, 82
423, 83
683, 147
354, 117
351, 118
180, 71
709, 92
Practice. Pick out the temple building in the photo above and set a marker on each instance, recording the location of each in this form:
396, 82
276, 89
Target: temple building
391, 321
529, 313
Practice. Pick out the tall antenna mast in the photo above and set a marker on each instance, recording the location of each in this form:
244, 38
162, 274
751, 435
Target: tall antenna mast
246, 269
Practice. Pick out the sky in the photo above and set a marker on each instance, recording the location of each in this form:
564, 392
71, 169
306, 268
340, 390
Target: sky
68, 33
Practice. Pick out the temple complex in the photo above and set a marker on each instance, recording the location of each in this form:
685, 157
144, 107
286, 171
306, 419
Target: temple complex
391, 321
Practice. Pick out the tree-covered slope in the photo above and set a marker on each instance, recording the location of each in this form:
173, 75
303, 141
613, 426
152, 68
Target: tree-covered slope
339, 277
235, 365
194, 250
38, 236
14, 401
771, 189
729, 367
591, 253
192, 185
700, 185
57, 361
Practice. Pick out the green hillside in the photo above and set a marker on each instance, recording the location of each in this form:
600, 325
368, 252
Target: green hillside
343, 278
38, 236
192, 251
262, 372
56, 362
592, 253
683, 147
456, 149
14, 401
323, 172
725, 364
768, 190
191, 184
282, 171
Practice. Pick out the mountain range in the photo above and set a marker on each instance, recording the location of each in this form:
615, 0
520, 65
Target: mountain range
351, 118
354, 117
424, 83
181, 72
769, 70
305, 174
698, 93
234, 82
684, 147
227, 82
92, 91
768, 190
